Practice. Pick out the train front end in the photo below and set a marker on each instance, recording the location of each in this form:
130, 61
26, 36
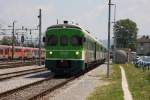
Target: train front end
64, 49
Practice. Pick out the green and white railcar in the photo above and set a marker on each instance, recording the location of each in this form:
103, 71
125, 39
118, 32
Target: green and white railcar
71, 49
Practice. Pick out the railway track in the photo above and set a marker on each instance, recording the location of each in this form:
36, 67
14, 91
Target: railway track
15, 64
9, 62
20, 73
38, 90
25, 92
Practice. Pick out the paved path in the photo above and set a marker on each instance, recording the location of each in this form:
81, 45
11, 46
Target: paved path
127, 93
80, 89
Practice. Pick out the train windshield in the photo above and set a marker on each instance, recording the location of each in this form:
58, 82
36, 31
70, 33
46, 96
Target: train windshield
64, 40
76, 41
53, 40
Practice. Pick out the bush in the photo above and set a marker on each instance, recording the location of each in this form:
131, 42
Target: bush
148, 54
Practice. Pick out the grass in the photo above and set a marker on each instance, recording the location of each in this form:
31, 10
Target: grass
139, 82
112, 91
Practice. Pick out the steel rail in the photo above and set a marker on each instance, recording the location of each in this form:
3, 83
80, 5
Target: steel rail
15, 65
20, 73
9, 92
48, 86
48, 91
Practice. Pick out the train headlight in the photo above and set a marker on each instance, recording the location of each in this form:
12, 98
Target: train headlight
50, 52
77, 52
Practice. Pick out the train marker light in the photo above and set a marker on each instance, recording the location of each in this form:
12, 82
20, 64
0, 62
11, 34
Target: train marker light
50, 52
77, 52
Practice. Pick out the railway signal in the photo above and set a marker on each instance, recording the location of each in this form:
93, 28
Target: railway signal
22, 38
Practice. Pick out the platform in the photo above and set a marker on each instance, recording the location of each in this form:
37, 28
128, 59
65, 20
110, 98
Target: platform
81, 88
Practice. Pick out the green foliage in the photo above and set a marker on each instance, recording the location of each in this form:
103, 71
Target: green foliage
6, 40
139, 82
126, 34
148, 54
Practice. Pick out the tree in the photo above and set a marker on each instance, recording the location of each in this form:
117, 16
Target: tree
7, 40
126, 34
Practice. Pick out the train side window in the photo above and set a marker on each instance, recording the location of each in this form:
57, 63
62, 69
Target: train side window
64, 40
17, 50
52, 40
76, 41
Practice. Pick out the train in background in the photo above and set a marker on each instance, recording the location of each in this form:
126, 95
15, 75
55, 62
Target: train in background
71, 49
20, 53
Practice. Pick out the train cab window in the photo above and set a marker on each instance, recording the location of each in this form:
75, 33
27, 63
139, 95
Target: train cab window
53, 40
76, 40
64, 40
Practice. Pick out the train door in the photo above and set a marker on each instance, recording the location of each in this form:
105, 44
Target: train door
95, 51
1, 53
22, 53
33, 55
6, 53
9, 53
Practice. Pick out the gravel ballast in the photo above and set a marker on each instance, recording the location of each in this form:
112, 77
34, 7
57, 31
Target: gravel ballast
20, 81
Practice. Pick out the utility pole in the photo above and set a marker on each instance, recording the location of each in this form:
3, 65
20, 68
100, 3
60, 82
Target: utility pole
40, 27
13, 29
115, 38
108, 55
13, 35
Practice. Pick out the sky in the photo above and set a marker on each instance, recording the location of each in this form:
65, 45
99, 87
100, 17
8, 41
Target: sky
90, 14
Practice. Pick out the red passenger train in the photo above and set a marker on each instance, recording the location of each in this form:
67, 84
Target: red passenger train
25, 53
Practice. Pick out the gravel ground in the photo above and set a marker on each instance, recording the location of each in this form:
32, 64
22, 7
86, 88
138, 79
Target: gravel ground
80, 88
28, 93
23, 80
8, 70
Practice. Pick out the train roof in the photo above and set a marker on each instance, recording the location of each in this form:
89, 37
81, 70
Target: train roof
74, 26
64, 26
